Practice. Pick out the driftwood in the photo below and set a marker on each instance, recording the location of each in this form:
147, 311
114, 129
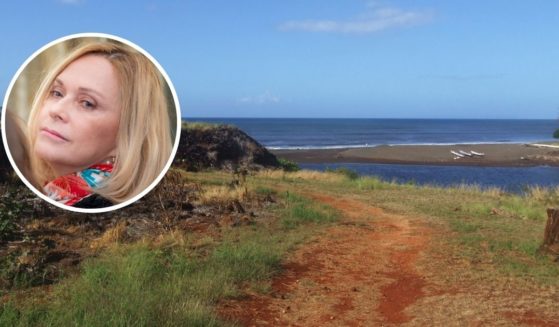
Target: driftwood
551, 234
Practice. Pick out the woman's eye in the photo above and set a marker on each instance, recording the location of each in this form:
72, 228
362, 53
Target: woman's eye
56, 93
88, 104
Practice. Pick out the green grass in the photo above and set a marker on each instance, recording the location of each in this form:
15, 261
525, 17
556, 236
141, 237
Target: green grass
202, 125
511, 225
370, 183
348, 173
303, 211
177, 282
130, 286
485, 224
264, 191
180, 282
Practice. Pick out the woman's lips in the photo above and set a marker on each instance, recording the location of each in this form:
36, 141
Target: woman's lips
53, 134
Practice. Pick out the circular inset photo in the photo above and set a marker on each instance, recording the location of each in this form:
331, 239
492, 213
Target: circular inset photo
91, 122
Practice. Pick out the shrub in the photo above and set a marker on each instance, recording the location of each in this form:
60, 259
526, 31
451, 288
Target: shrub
288, 165
350, 174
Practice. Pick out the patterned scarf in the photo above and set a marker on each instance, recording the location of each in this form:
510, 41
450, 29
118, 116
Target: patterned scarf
71, 189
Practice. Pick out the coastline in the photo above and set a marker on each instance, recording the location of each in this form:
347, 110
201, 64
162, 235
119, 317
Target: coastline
496, 155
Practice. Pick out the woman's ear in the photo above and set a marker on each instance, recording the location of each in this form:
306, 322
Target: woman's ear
112, 156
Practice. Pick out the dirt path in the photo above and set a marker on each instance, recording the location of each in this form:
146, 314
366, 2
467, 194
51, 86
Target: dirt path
365, 271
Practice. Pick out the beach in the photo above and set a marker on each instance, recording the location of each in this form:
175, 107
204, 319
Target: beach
495, 155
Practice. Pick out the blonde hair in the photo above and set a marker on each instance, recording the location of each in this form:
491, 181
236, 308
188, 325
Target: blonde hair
144, 140
18, 142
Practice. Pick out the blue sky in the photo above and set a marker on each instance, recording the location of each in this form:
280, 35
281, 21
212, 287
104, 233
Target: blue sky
323, 58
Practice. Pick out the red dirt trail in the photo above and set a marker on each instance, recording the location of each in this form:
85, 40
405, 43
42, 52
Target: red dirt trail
361, 272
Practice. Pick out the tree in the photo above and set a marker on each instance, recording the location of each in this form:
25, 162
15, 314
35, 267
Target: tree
556, 134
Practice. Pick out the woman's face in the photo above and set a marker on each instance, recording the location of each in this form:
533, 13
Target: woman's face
78, 122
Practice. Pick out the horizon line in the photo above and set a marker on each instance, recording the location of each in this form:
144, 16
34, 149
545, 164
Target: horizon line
392, 118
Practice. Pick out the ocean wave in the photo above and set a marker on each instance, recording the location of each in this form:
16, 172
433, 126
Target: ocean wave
320, 147
367, 145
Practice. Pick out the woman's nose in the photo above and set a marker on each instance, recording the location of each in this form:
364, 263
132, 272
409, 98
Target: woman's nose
58, 109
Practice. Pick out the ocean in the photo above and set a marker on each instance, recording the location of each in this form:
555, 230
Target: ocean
509, 179
339, 133
309, 133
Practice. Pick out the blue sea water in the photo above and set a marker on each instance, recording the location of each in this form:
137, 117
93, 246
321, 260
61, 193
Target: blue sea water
509, 179
336, 133
341, 133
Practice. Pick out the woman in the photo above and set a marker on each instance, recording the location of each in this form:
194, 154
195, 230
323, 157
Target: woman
99, 127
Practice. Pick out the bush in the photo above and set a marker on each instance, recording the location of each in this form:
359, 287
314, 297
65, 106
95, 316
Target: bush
350, 174
556, 134
288, 165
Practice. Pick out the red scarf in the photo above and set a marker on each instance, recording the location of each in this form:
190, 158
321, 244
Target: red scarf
71, 189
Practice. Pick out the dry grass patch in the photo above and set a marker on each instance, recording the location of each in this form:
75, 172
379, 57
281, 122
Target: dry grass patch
172, 239
222, 195
112, 236
548, 196
308, 175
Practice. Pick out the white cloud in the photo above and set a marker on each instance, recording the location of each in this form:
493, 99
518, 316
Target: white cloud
264, 98
376, 18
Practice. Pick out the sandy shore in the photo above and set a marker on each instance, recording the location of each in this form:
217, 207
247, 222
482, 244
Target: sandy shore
495, 155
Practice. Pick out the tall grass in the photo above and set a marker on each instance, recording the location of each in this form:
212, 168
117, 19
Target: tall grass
301, 211
142, 286
201, 125
221, 195
130, 286
302, 175
487, 224
172, 280
346, 172
529, 205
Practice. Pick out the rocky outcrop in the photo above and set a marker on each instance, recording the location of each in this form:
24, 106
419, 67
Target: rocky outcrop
209, 147
221, 147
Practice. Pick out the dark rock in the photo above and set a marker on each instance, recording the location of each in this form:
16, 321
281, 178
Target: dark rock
221, 147
187, 206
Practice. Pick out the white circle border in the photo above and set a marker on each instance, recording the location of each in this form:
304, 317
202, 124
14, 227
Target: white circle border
177, 134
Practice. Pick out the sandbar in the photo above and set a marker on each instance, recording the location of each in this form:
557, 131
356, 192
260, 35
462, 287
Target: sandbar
500, 154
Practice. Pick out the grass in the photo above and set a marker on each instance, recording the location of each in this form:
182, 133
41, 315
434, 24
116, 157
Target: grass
222, 195
346, 172
110, 237
129, 286
370, 183
202, 125
178, 278
485, 224
264, 191
301, 176
175, 279
302, 211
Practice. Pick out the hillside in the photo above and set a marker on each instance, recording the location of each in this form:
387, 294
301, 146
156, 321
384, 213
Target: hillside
221, 147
